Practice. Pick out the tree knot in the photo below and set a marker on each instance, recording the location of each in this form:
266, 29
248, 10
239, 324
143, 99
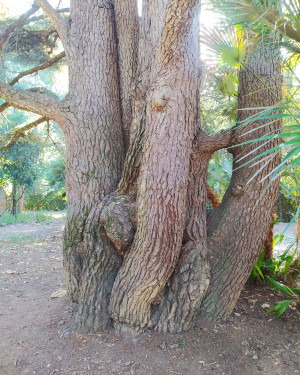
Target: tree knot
160, 98
237, 190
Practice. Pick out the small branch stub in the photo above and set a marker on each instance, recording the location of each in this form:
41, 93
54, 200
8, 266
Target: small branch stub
237, 190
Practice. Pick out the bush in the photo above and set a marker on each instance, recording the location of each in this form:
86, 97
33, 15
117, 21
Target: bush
49, 201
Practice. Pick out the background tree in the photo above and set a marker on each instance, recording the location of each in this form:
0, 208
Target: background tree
136, 246
19, 164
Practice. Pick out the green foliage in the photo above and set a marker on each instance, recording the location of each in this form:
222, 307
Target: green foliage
19, 163
230, 46
257, 272
49, 192
39, 199
280, 307
279, 268
264, 17
284, 289
287, 143
219, 172
282, 269
26, 218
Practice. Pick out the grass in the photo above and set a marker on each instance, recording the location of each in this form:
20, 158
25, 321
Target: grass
28, 217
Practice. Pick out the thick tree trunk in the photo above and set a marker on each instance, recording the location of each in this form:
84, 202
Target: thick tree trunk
162, 189
181, 302
94, 157
175, 268
237, 228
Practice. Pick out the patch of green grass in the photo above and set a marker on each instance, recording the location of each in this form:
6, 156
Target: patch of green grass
29, 217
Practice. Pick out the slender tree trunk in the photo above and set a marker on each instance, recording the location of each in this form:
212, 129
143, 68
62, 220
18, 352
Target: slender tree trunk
21, 202
237, 228
14, 200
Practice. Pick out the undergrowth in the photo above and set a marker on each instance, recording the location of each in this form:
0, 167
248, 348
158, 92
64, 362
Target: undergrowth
28, 217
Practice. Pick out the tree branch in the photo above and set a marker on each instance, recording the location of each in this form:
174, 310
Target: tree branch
204, 143
9, 137
3, 107
17, 23
42, 17
43, 66
58, 22
40, 101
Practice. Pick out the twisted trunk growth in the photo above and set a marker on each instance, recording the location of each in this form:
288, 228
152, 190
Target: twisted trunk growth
137, 251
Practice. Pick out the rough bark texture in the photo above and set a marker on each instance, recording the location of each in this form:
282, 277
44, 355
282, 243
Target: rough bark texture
162, 190
127, 28
237, 228
151, 25
181, 302
175, 268
94, 142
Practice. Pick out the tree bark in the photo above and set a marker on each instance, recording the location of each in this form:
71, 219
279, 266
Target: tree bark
179, 264
162, 189
237, 228
14, 200
94, 158
127, 30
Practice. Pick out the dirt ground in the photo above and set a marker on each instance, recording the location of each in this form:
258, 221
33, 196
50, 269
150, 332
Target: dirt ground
34, 338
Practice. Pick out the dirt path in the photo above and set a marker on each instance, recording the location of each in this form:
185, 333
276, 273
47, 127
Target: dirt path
34, 338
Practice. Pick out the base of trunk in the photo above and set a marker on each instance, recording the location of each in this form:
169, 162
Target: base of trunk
91, 266
181, 302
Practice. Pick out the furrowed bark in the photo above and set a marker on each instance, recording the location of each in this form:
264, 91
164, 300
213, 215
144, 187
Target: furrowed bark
162, 191
181, 302
237, 228
94, 158
127, 29
151, 25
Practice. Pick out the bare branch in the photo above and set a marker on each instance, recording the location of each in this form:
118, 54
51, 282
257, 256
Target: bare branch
38, 68
17, 23
43, 66
42, 102
57, 20
9, 137
43, 16
3, 107
209, 144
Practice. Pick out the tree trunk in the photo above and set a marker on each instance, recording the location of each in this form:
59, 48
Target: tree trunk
21, 201
179, 264
162, 189
237, 228
94, 157
14, 200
